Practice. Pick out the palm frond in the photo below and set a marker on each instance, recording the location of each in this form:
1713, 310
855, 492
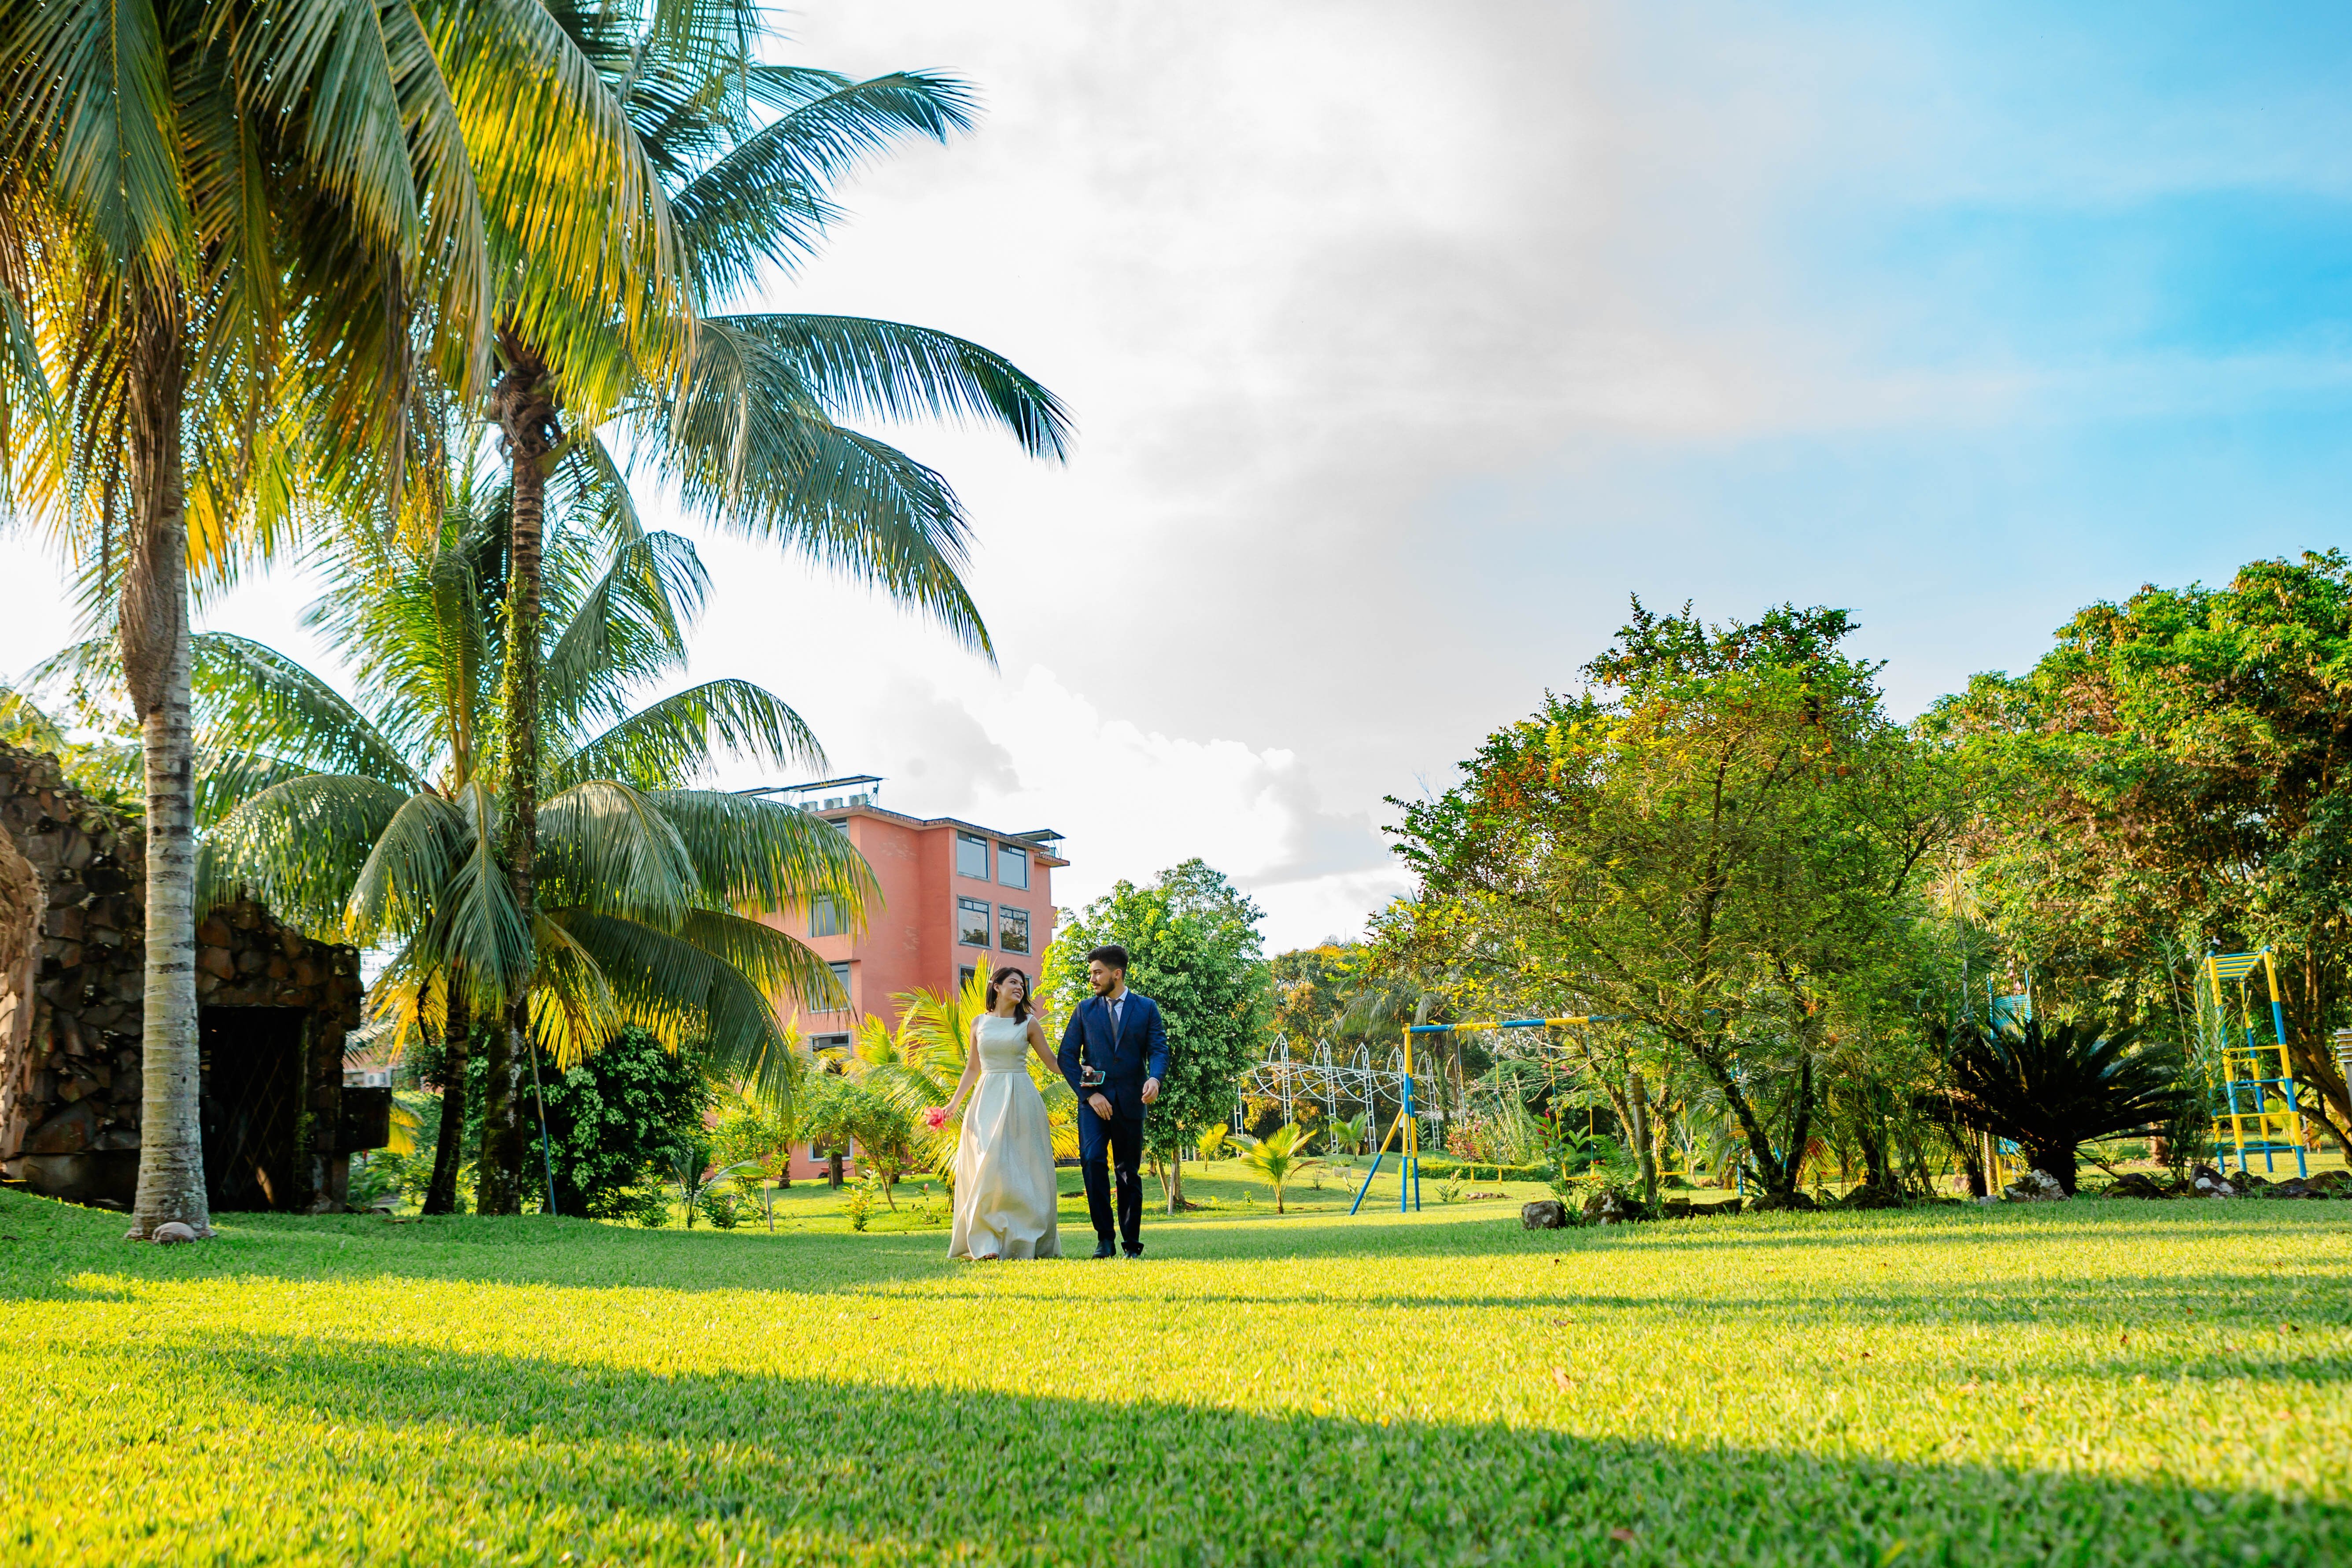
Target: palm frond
90, 90
627, 628
680, 991
675, 741
606, 847
253, 697
755, 857
299, 844
765, 197
750, 447
860, 368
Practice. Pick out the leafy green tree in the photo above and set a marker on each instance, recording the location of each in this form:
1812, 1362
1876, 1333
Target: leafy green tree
1710, 848
2176, 777
842, 1110
1192, 945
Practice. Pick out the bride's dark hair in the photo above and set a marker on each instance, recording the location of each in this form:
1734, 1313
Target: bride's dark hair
1020, 1008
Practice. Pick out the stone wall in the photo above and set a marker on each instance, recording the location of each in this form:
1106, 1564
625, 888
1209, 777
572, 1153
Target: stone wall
72, 893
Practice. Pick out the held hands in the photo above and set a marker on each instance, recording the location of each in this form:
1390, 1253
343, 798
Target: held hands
1150, 1090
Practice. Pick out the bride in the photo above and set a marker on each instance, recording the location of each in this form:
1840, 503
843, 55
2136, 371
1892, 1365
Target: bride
1005, 1195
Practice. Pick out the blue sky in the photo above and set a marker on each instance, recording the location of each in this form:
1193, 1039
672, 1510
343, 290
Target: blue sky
1406, 341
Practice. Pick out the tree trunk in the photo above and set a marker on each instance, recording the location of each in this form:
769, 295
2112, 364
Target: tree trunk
498, 1169
1637, 1099
1176, 1179
448, 1154
527, 415
155, 664
1875, 1172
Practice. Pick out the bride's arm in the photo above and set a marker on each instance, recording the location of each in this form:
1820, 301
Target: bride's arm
1037, 1044
970, 1071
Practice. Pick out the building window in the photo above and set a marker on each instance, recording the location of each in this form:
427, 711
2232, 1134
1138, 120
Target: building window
972, 856
826, 919
1012, 929
972, 922
829, 1042
964, 972
840, 978
1013, 867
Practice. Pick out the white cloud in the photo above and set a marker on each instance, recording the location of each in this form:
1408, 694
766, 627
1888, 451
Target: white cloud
1131, 801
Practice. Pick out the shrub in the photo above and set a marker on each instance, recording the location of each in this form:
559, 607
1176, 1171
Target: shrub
723, 1209
612, 1115
859, 1205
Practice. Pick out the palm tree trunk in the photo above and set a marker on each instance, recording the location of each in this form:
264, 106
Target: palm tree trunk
441, 1193
527, 414
155, 664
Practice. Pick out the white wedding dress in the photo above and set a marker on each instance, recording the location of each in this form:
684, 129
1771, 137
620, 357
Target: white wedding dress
1005, 1196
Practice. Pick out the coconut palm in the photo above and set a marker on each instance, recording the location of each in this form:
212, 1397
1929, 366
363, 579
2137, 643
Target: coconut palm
1278, 1158
229, 234
749, 434
375, 819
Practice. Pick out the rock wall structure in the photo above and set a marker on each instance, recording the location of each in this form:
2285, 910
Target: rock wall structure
274, 1009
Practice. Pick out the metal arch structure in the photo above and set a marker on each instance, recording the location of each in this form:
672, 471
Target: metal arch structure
1323, 1080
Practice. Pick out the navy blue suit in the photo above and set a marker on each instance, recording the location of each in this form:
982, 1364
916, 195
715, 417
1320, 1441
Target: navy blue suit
1137, 1051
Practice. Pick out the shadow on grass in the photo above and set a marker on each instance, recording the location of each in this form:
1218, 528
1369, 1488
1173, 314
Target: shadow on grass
521, 1456
58, 1244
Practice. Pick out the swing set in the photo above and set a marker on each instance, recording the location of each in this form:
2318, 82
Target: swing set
1409, 1154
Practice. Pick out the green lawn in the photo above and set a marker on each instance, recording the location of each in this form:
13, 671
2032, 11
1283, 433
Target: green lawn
2090, 1383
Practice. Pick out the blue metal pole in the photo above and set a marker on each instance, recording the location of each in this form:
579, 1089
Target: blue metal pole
1404, 1156
1378, 1155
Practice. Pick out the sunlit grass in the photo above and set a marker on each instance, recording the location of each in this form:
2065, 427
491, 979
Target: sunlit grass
2105, 1383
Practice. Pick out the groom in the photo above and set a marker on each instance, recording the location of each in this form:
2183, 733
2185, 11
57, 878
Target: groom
1118, 1034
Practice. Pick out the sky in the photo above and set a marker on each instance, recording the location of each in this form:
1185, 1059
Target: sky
1405, 341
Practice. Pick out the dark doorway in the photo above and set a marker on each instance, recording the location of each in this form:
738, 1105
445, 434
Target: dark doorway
251, 1088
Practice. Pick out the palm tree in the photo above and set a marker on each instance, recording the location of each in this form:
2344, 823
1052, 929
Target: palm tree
215, 219
747, 435
2052, 1090
1278, 1157
376, 820
1347, 1132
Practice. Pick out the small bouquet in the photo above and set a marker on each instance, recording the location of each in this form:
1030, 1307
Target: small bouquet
935, 1118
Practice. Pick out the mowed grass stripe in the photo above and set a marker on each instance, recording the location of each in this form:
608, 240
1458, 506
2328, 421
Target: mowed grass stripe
2090, 1384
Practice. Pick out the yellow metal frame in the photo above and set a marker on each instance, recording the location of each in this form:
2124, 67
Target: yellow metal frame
2263, 1115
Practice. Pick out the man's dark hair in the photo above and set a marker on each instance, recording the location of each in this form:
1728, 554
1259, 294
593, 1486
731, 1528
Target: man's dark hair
1110, 953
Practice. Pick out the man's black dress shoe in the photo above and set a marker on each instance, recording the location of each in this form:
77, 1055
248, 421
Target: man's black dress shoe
1134, 1252
1105, 1249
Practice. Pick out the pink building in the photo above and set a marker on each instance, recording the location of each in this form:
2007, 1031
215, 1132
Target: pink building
956, 897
